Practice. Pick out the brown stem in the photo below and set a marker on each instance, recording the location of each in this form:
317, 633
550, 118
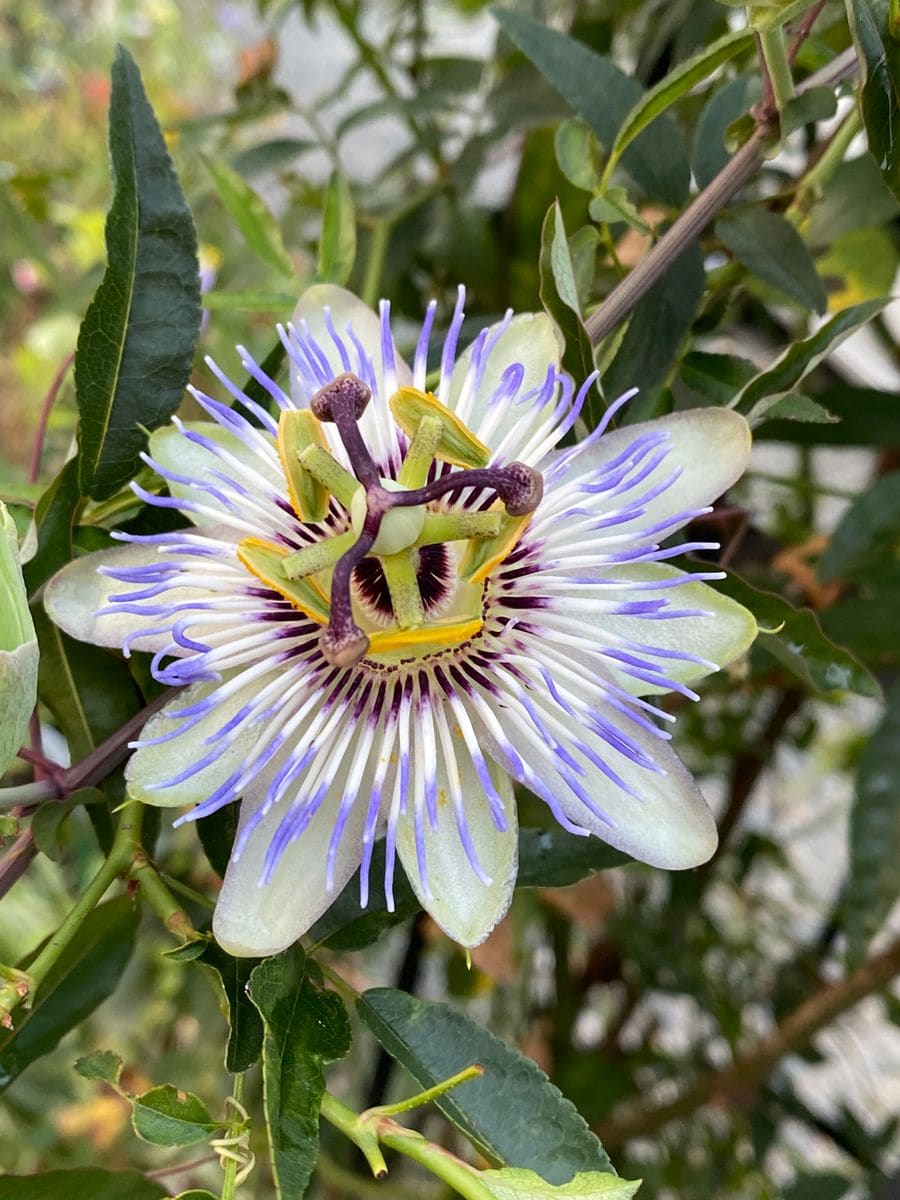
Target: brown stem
107, 756
49, 400
731, 1085
803, 30
16, 861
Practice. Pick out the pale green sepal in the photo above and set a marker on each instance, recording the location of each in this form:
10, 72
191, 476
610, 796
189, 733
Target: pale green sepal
75, 594
531, 339
150, 767
174, 452
513, 1183
722, 636
456, 899
18, 647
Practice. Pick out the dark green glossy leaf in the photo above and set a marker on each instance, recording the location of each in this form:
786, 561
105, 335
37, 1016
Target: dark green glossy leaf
800, 644
868, 531
166, 1116
81, 1183
855, 197
603, 96
47, 822
879, 54
53, 515
104, 1065
659, 324
337, 246
304, 1028
867, 626
137, 339
257, 224
874, 878
866, 418
86, 972
726, 106
770, 248
512, 1114
217, 833
554, 858
801, 357
245, 1027
717, 377
817, 104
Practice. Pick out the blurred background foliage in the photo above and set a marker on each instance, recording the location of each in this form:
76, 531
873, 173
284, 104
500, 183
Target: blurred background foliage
438, 149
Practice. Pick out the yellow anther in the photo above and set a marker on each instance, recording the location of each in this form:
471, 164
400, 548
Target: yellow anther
264, 560
457, 444
298, 429
426, 639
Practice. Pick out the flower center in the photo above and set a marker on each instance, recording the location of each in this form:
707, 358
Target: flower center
395, 527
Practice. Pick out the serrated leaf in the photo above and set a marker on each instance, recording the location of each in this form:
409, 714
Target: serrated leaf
800, 645
337, 246
258, 226
86, 972
868, 530
793, 406
137, 338
770, 248
879, 55
245, 1027
81, 1183
603, 96
679, 80
104, 1065
873, 882
304, 1028
802, 357
509, 1183
166, 1116
512, 1114
659, 324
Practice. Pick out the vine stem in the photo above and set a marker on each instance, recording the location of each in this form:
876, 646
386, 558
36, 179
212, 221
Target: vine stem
34, 468
738, 171
732, 1083
774, 51
229, 1182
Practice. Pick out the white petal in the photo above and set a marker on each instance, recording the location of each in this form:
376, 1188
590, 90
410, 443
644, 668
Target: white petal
721, 637
74, 595
151, 766
667, 824
531, 339
174, 452
18, 696
710, 446
466, 908
256, 919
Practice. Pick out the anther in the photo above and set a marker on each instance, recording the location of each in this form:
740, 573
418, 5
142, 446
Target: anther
341, 393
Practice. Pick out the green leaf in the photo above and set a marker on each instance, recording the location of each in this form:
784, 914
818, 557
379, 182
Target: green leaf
730, 102
513, 1184
800, 645
823, 1185
874, 877
47, 822
53, 516
770, 248
801, 357
559, 294
217, 833
512, 1114
603, 96
269, 156
855, 197
137, 338
576, 152
554, 858
614, 205
86, 972
860, 265
81, 1183
866, 626
337, 247
304, 1028
673, 86
879, 54
817, 104
245, 1027
792, 406
868, 530
866, 417
659, 324
196, 1194
104, 1065
717, 377
250, 300
259, 228
166, 1116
